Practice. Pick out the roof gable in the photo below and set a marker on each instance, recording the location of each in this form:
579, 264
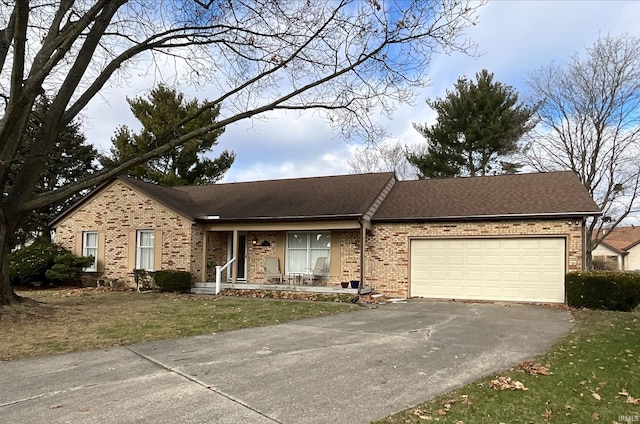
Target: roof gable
518, 195
622, 238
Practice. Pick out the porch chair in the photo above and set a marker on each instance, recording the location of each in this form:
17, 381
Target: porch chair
272, 269
317, 273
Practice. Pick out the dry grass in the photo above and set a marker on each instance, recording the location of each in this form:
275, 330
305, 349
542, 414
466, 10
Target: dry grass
69, 320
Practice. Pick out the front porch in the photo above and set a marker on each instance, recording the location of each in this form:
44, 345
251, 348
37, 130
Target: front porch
210, 288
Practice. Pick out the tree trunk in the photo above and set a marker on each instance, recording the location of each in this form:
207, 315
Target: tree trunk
7, 295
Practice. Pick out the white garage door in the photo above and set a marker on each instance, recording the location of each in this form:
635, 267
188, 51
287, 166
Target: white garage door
511, 269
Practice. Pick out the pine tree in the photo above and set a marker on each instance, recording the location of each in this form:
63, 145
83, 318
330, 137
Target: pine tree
478, 127
185, 165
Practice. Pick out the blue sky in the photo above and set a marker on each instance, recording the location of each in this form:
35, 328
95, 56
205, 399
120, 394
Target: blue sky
513, 37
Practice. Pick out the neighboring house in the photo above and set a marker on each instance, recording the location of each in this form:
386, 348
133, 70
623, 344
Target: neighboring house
507, 237
619, 249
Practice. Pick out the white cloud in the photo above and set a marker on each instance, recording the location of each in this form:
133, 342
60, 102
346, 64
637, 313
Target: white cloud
514, 37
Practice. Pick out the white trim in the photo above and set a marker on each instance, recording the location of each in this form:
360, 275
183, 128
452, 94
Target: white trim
86, 250
140, 248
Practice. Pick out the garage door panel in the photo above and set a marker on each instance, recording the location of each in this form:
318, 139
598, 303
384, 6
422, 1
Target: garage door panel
514, 269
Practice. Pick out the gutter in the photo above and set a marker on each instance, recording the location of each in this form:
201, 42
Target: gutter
217, 218
487, 217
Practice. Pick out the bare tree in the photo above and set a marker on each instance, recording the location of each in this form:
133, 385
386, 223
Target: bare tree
590, 123
382, 157
344, 58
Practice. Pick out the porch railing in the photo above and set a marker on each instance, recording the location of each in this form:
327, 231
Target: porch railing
219, 270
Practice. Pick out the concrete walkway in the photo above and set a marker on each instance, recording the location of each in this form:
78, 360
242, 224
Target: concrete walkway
349, 368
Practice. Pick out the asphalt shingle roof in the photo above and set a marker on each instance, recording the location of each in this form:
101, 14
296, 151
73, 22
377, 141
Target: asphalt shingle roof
318, 197
551, 193
352, 196
622, 238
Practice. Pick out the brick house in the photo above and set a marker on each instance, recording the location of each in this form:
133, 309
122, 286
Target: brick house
508, 237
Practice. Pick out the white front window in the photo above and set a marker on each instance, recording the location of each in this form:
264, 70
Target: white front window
303, 248
144, 251
90, 248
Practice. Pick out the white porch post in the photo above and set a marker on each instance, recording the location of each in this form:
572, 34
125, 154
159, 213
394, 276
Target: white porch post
234, 266
620, 263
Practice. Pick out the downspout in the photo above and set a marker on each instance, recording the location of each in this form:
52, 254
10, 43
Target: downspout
584, 243
364, 226
363, 237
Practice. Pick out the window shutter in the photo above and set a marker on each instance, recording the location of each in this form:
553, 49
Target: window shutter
157, 250
101, 248
131, 251
78, 244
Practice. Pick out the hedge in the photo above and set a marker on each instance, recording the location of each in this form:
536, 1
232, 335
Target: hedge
615, 291
171, 280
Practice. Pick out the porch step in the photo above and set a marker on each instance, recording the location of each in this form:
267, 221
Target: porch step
210, 288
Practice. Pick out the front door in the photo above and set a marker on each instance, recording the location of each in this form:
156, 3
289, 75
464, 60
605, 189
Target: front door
242, 256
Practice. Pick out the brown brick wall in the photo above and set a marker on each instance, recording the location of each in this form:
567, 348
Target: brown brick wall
117, 212
387, 264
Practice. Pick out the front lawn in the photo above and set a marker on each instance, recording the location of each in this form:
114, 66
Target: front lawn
68, 320
595, 378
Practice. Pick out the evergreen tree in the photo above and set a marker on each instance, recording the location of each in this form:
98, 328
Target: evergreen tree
184, 165
478, 127
73, 160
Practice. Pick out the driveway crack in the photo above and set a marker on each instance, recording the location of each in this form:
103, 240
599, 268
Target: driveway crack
200, 383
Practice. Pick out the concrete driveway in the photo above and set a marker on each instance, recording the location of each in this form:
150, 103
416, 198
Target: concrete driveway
349, 368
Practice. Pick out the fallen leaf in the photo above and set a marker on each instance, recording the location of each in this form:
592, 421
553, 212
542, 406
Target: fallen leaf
503, 383
547, 414
55, 406
420, 414
534, 368
596, 396
595, 416
519, 386
633, 400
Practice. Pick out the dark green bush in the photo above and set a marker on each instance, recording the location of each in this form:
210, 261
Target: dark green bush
29, 264
171, 280
614, 291
68, 267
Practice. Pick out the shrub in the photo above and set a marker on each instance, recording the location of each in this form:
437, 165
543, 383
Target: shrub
171, 280
615, 291
68, 267
29, 264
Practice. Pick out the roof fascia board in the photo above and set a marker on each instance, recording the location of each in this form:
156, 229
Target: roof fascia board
613, 249
488, 217
371, 210
305, 225
280, 218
